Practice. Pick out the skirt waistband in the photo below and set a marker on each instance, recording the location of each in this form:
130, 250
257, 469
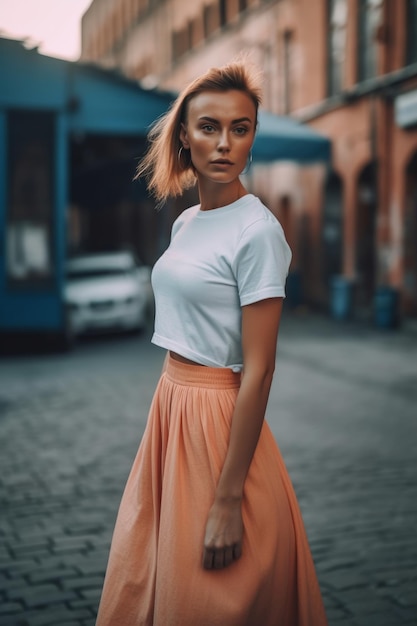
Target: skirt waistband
201, 375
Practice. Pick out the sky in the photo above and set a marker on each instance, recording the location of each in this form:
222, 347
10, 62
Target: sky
54, 24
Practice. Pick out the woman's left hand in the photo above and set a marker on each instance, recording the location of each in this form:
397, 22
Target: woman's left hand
224, 532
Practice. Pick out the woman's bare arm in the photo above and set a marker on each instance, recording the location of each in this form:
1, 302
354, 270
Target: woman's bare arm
224, 529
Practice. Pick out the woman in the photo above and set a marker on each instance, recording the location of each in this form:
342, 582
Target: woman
209, 531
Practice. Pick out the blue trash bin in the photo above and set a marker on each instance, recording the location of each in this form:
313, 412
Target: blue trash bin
386, 307
341, 298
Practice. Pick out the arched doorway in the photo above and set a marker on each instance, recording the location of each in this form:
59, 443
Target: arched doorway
332, 228
410, 239
366, 236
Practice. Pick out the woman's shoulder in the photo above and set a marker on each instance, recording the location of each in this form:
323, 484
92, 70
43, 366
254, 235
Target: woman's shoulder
258, 215
185, 216
261, 239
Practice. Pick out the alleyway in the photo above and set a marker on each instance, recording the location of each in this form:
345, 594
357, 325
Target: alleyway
343, 409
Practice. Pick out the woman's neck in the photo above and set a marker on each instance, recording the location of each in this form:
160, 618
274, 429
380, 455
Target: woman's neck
213, 196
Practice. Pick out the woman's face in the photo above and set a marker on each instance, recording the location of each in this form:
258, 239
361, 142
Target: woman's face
219, 132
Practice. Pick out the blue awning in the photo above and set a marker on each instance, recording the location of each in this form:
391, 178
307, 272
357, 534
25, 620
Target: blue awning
281, 138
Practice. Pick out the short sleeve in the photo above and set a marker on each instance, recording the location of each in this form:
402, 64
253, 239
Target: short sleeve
261, 262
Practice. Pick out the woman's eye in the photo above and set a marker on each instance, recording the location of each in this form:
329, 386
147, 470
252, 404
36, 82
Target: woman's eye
241, 130
208, 128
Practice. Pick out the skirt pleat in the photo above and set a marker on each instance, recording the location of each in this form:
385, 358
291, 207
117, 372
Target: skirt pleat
154, 575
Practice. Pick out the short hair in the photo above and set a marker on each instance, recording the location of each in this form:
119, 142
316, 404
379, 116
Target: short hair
166, 170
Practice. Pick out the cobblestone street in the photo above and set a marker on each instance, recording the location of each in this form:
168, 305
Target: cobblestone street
342, 408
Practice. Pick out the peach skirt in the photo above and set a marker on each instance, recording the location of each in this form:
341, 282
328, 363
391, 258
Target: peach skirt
154, 575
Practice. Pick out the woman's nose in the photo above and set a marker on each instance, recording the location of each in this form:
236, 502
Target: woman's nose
224, 141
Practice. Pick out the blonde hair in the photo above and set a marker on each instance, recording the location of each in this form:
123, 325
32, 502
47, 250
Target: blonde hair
165, 167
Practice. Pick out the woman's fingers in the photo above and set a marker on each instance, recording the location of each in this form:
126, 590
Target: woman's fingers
228, 557
237, 551
218, 558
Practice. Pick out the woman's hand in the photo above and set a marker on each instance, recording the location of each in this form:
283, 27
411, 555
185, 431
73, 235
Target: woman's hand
224, 529
224, 532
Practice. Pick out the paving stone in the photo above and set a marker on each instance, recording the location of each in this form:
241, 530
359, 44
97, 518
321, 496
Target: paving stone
4, 554
37, 552
58, 616
92, 594
10, 585
70, 544
14, 621
44, 575
41, 595
83, 582
17, 567
84, 528
376, 619
96, 565
23, 546
346, 579
9, 608
85, 603
335, 615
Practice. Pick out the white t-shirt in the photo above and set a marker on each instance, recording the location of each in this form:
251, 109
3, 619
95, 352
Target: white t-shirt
218, 261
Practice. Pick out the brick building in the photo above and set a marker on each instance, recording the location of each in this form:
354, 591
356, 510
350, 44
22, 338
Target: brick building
348, 68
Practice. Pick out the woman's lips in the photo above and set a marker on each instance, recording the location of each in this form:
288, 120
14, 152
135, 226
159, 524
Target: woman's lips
222, 162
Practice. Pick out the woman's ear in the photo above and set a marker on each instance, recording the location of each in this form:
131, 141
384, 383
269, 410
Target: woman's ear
183, 137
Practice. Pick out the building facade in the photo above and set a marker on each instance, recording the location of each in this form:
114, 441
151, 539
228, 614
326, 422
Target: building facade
348, 68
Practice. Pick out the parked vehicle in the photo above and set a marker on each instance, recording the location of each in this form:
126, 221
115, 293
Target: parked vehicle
107, 292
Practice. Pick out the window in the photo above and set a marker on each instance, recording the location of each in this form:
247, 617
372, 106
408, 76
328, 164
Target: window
185, 39
141, 7
189, 33
211, 19
370, 17
288, 63
29, 249
411, 51
195, 32
223, 12
337, 12
108, 35
179, 43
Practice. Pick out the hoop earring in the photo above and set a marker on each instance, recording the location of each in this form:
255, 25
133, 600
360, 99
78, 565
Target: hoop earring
180, 158
248, 163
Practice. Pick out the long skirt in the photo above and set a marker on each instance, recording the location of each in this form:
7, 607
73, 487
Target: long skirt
155, 575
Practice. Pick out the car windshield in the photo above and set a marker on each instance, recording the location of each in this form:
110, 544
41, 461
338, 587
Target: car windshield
96, 273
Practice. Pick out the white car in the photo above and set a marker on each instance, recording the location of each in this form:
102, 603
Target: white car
107, 292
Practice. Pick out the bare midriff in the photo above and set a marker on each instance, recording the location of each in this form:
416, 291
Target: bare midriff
182, 359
